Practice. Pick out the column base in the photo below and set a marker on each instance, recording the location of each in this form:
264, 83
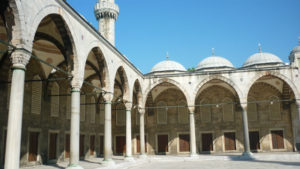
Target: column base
247, 156
130, 159
108, 162
74, 166
142, 156
194, 155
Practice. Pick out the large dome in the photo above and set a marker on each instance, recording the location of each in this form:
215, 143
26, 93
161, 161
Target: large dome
214, 62
262, 58
167, 65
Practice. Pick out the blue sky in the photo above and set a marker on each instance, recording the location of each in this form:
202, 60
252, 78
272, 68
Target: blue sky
188, 29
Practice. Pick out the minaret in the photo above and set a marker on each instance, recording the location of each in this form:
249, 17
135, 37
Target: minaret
106, 12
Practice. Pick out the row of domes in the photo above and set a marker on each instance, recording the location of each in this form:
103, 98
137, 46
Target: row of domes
259, 59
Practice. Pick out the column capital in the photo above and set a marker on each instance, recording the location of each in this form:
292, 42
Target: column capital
128, 105
107, 97
191, 109
19, 58
244, 105
76, 82
141, 110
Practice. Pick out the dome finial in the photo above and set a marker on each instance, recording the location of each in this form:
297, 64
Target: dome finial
259, 48
167, 57
213, 51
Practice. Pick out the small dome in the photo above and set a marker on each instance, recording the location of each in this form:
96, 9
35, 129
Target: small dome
263, 58
293, 52
214, 62
167, 65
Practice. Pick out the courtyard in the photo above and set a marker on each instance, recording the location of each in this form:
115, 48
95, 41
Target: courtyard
220, 161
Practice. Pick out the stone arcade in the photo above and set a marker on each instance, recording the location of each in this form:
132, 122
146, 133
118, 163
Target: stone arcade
81, 98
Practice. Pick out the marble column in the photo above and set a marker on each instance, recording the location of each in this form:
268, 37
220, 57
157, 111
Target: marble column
246, 130
75, 125
142, 132
193, 150
128, 106
14, 127
107, 128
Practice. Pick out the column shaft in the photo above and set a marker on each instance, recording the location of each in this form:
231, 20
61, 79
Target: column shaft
246, 130
128, 133
142, 133
107, 133
193, 150
14, 128
75, 128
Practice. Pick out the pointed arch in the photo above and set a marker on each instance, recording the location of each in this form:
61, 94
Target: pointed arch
65, 30
277, 75
227, 81
122, 75
171, 81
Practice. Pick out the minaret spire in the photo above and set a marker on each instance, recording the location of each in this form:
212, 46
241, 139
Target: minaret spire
106, 12
259, 48
299, 41
167, 56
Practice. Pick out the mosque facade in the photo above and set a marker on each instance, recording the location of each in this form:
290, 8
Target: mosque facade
68, 94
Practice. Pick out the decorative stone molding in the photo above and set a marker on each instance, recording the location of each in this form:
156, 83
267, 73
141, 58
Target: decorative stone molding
107, 97
19, 58
106, 9
76, 82
141, 110
128, 105
191, 109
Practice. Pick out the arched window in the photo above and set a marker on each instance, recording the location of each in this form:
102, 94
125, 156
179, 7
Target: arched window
183, 115
252, 109
205, 111
82, 108
162, 113
68, 106
227, 106
120, 115
36, 95
92, 110
275, 108
55, 100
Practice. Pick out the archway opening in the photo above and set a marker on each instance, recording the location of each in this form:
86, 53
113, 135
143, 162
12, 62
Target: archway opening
167, 120
218, 118
271, 110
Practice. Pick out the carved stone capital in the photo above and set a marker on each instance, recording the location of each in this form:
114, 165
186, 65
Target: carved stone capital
128, 105
19, 58
191, 108
244, 105
107, 97
142, 111
76, 82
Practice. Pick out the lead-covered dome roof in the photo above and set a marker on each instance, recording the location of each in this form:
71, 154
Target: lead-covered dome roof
214, 62
167, 65
263, 59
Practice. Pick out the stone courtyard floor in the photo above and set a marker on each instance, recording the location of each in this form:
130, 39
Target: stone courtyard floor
221, 161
